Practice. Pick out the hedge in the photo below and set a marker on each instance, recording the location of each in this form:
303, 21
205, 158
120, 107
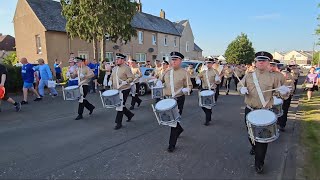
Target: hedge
14, 80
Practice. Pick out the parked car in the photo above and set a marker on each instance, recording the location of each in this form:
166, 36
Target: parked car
196, 64
282, 66
146, 76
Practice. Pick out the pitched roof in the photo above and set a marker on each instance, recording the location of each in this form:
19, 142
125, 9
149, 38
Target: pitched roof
180, 25
49, 13
7, 43
196, 47
153, 23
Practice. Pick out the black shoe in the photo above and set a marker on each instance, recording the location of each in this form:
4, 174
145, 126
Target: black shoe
259, 169
38, 99
79, 117
118, 126
227, 93
282, 129
180, 133
24, 102
130, 117
91, 111
17, 107
171, 148
207, 123
131, 108
252, 151
139, 103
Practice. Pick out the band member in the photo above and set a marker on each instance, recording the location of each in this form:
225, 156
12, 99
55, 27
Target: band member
218, 68
227, 73
120, 79
210, 80
176, 84
72, 73
84, 74
192, 74
158, 68
289, 81
255, 83
274, 69
148, 64
238, 71
135, 84
295, 74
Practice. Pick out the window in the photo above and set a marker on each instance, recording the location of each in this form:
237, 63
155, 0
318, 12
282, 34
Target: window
38, 44
83, 54
298, 55
141, 57
109, 56
175, 42
107, 36
148, 72
154, 39
165, 41
187, 46
140, 33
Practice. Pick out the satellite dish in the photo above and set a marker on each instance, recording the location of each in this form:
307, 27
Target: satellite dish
115, 47
151, 50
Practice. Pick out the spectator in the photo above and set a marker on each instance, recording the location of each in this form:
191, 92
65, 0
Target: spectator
72, 73
27, 73
311, 82
46, 75
3, 84
148, 64
57, 69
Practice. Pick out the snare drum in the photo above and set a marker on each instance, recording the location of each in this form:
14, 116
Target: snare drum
157, 92
167, 112
206, 98
262, 125
152, 83
111, 98
71, 93
277, 106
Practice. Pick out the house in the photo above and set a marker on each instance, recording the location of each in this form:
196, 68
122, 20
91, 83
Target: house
279, 56
40, 33
7, 45
298, 57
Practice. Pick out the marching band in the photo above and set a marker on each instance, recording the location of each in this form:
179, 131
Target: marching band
267, 94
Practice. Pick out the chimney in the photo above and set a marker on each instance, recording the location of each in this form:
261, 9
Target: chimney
0, 34
139, 6
162, 14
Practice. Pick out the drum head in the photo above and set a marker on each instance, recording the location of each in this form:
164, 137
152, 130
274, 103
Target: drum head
261, 117
71, 87
206, 93
277, 101
165, 104
152, 80
110, 92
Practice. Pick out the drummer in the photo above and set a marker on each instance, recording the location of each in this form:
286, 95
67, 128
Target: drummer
159, 74
137, 75
256, 99
177, 84
276, 72
72, 73
120, 79
210, 80
84, 74
217, 67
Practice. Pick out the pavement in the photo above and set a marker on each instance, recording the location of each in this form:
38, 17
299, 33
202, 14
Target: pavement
42, 141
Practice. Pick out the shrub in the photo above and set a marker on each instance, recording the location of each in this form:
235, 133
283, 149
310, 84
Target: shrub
14, 80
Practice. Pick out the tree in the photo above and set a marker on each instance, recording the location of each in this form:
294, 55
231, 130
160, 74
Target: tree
91, 20
240, 51
11, 59
315, 60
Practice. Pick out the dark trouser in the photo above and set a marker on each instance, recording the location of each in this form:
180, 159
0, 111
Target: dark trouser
193, 81
135, 99
217, 93
236, 81
282, 121
85, 103
295, 84
260, 148
125, 111
222, 81
228, 82
176, 131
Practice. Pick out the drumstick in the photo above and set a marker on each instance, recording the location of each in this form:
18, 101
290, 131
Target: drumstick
238, 79
154, 111
275, 89
64, 96
103, 104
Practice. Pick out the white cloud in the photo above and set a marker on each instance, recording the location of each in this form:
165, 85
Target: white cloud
270, 16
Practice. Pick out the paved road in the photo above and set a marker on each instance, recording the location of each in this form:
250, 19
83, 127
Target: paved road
43, 141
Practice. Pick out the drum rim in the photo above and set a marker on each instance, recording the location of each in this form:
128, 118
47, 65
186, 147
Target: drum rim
266, 124
71, 87
116, 92
207, 94
173, 100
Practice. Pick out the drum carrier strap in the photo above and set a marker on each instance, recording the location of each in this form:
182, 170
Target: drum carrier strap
256, 84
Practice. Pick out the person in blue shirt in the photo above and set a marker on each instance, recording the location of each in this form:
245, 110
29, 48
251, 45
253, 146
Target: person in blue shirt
27, 73
57, 69
46, 75
94, 66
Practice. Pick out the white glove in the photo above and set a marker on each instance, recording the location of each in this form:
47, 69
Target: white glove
205, 68
283, 90
217, 78
159, 84
124, 83
131, 84
244, 90
81, 75
68, 74
198, 81
110, 83
185, 90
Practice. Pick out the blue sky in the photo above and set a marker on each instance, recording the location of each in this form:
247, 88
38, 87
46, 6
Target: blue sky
280, 25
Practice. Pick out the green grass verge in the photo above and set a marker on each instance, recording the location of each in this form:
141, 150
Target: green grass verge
310, 135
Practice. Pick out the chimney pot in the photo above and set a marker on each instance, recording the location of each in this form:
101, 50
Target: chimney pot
162, 14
